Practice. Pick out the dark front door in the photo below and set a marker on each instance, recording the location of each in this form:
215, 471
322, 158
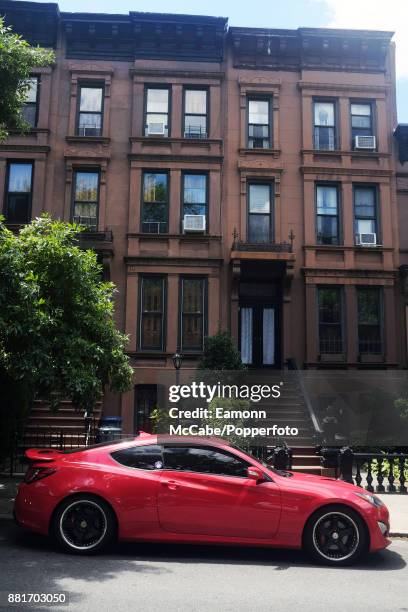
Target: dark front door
145, 402
258, 335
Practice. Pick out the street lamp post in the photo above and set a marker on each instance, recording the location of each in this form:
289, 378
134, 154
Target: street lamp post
177, 362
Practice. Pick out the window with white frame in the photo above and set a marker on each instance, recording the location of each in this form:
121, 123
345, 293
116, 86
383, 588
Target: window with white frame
325, 125
157, 112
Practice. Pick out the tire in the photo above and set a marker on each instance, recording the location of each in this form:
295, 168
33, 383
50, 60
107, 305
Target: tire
83, 524
336, 535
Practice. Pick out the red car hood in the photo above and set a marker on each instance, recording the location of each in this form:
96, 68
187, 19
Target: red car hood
325, 481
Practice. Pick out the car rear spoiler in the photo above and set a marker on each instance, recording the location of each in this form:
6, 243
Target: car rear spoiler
42, 454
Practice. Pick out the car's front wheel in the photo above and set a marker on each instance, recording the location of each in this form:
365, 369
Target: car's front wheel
84, 524
336, 535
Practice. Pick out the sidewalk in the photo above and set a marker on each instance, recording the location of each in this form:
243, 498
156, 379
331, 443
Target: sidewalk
397, 505
8, 491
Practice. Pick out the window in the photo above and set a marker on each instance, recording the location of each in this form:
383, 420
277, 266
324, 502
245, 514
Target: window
361, 120
369, 306
30, 106
193, 313
260, 221
195, 113
259, 129
152, 313
140, 457
90, 110
86, 199
365, 215
330, 319
203, 460
157, 112
324, 126
327, 210
18, 192
155, 203
194, 202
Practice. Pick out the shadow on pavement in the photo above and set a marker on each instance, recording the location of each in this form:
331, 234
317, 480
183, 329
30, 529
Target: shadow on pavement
100, 567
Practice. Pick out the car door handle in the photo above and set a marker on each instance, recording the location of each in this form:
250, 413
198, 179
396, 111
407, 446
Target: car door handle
170, 484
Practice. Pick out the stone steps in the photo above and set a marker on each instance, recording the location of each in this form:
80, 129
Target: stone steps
307, 469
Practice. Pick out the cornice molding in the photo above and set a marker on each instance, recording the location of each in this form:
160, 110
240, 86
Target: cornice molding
350, 152
181, 237
89, 68
187, 262
177, 73
358, 249
345, 171
345, 87
28, 148
360, 273
157, 157
269, 82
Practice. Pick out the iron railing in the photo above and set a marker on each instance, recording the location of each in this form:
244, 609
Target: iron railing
318, 430
45, 437
376, 472
381, 472
273, 247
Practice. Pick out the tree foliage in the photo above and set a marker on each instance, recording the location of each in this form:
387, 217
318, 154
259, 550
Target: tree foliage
220, 353
17, 59
57, 333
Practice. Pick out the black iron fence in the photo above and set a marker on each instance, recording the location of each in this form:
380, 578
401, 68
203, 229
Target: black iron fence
376, 472
48, 437
382, 473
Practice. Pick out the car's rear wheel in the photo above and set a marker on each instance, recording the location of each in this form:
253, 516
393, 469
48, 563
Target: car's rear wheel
336, 535
84, 524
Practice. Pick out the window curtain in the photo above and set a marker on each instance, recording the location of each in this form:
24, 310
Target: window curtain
246, 335
268, 340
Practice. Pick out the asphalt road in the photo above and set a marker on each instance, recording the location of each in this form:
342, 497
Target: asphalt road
195, 578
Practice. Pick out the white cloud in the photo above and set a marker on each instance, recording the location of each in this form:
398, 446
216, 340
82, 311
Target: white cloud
391, 15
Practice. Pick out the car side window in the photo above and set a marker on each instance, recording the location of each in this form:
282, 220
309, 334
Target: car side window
147, 457
204, 460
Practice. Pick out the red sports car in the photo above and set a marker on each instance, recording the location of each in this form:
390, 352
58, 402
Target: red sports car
202, 490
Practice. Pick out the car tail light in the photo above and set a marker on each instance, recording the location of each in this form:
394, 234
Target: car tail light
36, 473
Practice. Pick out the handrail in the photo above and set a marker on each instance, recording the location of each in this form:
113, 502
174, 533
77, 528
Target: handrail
292, 365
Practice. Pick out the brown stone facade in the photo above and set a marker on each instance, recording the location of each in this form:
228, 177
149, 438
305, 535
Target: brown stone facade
299, 255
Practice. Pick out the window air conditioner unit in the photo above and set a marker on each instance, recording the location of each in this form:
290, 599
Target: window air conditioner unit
156, 129
194, 223
367, 239
365, 142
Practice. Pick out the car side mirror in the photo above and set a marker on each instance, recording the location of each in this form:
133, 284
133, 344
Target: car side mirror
254, 473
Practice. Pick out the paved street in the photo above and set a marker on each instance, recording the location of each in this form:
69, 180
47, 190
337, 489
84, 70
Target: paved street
157, 577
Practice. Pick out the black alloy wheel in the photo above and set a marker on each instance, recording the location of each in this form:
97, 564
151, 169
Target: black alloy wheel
84, 525
336, 536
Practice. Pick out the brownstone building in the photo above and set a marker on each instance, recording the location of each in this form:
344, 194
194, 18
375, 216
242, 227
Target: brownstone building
240, 178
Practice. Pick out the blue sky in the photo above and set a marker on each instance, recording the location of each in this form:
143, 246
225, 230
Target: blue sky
365, 14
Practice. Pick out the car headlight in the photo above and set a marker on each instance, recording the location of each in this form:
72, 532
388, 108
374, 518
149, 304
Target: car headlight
383, 527
371, 499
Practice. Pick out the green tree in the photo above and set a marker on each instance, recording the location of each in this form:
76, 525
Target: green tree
220, 353
17, 59
57, 333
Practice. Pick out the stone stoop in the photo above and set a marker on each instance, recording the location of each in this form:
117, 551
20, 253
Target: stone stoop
306, 460
44, 427
291, 409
